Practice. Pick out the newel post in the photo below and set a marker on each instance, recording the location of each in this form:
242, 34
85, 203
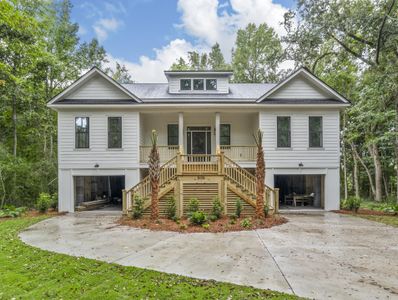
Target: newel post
221, 166
124, 203
276, 195
179, 163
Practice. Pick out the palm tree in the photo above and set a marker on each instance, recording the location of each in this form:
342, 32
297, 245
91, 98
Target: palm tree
154, 174
260, 174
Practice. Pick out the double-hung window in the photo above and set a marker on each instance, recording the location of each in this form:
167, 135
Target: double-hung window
315, 132
114, 132
225, 134
82, 132
185, 84
172, 134
283, 132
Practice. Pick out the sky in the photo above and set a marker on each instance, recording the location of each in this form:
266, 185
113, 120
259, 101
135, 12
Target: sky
147, 36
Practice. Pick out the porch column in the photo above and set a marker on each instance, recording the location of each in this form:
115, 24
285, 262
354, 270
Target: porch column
217, 127
181, 132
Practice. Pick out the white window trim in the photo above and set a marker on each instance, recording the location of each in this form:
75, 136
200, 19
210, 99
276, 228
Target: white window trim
204, 85
308, 134
107, 133
89, 133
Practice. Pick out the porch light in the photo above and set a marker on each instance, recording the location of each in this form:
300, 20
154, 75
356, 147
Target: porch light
96, 166
301, 164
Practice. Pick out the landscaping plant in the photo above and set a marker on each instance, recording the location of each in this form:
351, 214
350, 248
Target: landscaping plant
154, 175
43, 203
10, 211
193, 206
198, 218
260, 174
352, 203
171, 209
238, 207
217, 208
138, 207
246, 223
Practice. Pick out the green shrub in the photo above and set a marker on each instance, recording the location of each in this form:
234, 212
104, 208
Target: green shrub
54, 201
198, 218
43, 203
266, 210
12, 212
193, 206
183, 226
138, 207
246, 223
352, 203
171, 208
238, 207
206, 226
217, 208
213, 218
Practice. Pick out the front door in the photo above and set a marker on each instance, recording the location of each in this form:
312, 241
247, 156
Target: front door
199, 140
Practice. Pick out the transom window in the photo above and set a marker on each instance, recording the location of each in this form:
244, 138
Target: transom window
185, 84
315, 132
82, 132
198, 84
283, 132
114, 132
225, 134
211, 84
172, 134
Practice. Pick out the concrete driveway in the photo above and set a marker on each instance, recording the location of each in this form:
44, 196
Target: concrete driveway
326, 256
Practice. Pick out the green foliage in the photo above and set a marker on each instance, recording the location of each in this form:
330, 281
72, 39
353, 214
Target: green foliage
171, 208
352, 203
217, 208
238, 207
43, 203
12, 212
49, 275
54, 201
183, 226
246, 223
206, 226
138, 207
257, 55
266, 210
193, 206
198, 218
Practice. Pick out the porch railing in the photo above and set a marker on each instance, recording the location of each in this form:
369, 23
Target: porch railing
240, 152
165, 153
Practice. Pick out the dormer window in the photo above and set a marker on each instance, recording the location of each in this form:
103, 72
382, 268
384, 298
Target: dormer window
198, 84
185, 84
211, 84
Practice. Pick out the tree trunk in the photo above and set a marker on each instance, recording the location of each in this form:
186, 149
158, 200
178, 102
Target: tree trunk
355, 175
386, 192
14, 123
374, 152
371, 185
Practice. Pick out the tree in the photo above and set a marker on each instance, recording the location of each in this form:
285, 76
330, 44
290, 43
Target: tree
154, 175
260, 174
121, 74
216, 59
257, 55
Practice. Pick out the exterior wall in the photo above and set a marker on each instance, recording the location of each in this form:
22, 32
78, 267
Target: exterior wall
222, 83
324, 161
98, 88
80, 162
299, 88
98, 153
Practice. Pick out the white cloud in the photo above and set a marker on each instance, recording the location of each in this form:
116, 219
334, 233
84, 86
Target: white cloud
151, 70
103, 26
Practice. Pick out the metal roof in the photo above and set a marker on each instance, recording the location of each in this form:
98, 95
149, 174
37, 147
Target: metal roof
158, 92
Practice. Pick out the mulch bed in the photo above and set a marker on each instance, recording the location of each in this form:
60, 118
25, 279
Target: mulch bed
363, 211
225, 224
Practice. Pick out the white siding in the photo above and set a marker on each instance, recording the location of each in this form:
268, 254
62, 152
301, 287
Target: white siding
69, 157
326, 157
98, 88
300, 88
174, 84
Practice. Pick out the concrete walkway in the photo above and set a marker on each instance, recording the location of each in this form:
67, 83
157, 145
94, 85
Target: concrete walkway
325, 256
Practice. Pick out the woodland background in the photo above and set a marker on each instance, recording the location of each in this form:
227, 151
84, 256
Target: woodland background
351, 45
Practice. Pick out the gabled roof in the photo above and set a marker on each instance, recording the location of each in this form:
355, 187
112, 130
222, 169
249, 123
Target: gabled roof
310, 76
85, 78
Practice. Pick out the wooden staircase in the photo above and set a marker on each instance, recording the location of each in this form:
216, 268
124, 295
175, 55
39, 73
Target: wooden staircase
185, 170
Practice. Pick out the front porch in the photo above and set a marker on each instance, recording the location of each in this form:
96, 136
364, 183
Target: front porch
200, 133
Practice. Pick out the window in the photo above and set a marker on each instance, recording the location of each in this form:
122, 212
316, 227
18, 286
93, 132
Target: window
82, 132
114, 132
172, 134
283, 132
185, 84
315, 132
225, 134
198, 84
211, 84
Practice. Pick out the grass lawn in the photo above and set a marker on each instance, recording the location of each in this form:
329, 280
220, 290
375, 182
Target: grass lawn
389, 220
30, 273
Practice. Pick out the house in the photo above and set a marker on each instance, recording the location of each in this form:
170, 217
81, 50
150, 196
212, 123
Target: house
205, 127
